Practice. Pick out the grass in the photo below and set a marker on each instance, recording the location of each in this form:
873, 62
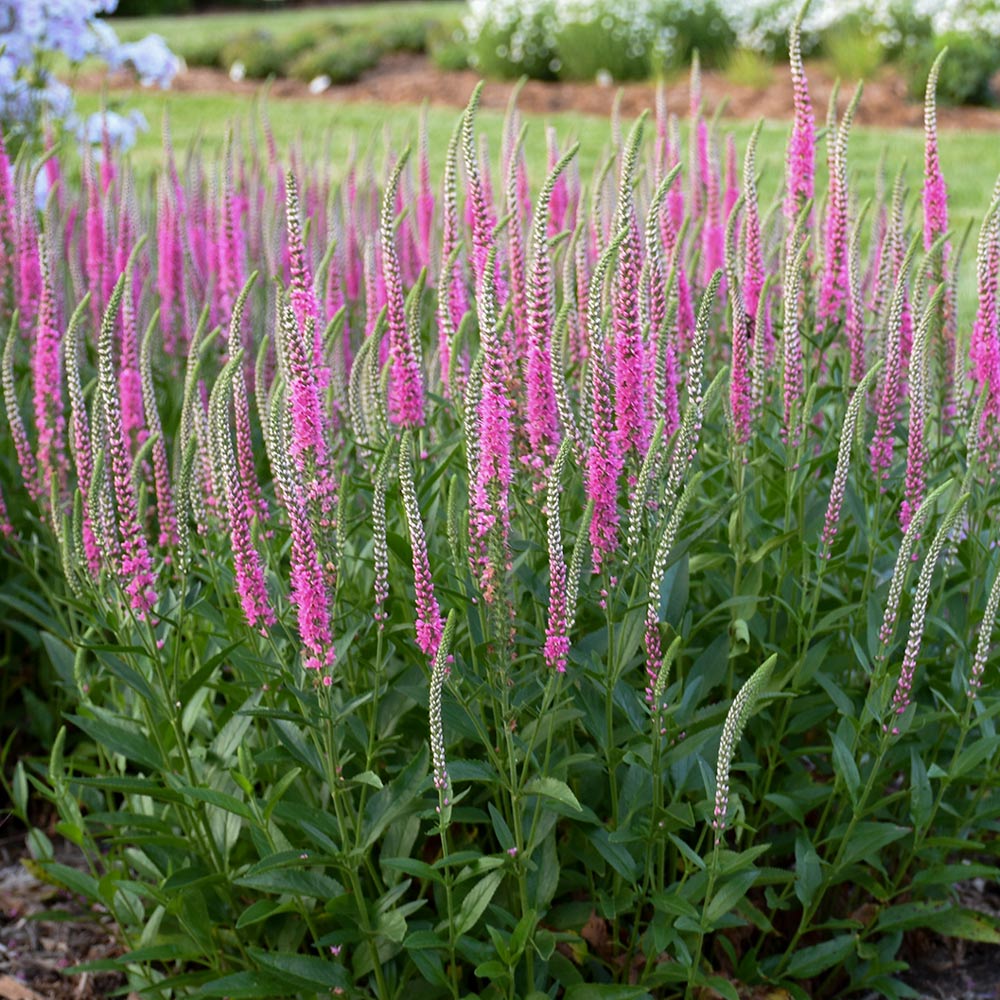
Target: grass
327, 129
183, 34
747, 68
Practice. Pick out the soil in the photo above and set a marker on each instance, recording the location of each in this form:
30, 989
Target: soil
44, 931
405, 78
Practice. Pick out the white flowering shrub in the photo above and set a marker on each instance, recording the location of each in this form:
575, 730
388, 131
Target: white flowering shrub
629, 39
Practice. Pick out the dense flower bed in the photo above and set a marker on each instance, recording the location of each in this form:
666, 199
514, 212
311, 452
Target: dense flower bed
502, 586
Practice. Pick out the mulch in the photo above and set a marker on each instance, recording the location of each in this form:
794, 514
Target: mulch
405, 78
45, 930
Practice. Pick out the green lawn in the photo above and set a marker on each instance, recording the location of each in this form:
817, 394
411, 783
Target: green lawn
184, 33
971, 161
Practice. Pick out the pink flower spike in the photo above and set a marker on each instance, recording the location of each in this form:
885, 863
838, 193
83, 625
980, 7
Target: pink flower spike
406, 387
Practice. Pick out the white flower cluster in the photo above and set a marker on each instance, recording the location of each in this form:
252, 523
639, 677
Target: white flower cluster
531, 27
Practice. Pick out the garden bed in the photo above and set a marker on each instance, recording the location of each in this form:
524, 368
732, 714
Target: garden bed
409, 78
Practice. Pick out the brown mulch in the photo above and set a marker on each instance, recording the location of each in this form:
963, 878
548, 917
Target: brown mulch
405, 78
44, 931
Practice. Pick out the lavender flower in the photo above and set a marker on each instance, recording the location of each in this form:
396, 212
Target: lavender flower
800, 159
916, 451
740, 382
135, 566
604, 459
50, 421
22, 447
247, 561
490, 490
543, 432
834, 288
882, 443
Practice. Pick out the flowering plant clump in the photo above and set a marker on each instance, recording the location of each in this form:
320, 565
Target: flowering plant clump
32, 32
564, 585
638, 38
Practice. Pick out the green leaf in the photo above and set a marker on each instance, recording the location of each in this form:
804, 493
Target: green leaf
869, 839
309, 970
808, 870
973, 756
412, 866
290, 880
120, 737
950, 874
220, 800
729, 895
392, 925
261, 910
593, 991
19, 790
504, 837
967, 925
421, 940
616, 855
276, 794
492, 970
556, 791
229, 736
391, 803
78, 882
809, 962
245, 985
293, 742
475, 903
129, 785
846, 767
722, 986
669, 901
61, 656
522, 932
921, 793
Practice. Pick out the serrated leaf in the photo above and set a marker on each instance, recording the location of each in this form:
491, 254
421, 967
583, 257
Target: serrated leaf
307, 970
554, 790
728, 895
300, 883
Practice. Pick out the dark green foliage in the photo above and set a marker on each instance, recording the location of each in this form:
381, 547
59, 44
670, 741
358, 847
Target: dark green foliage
447, 45
966, 75
343, 59
259, 53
